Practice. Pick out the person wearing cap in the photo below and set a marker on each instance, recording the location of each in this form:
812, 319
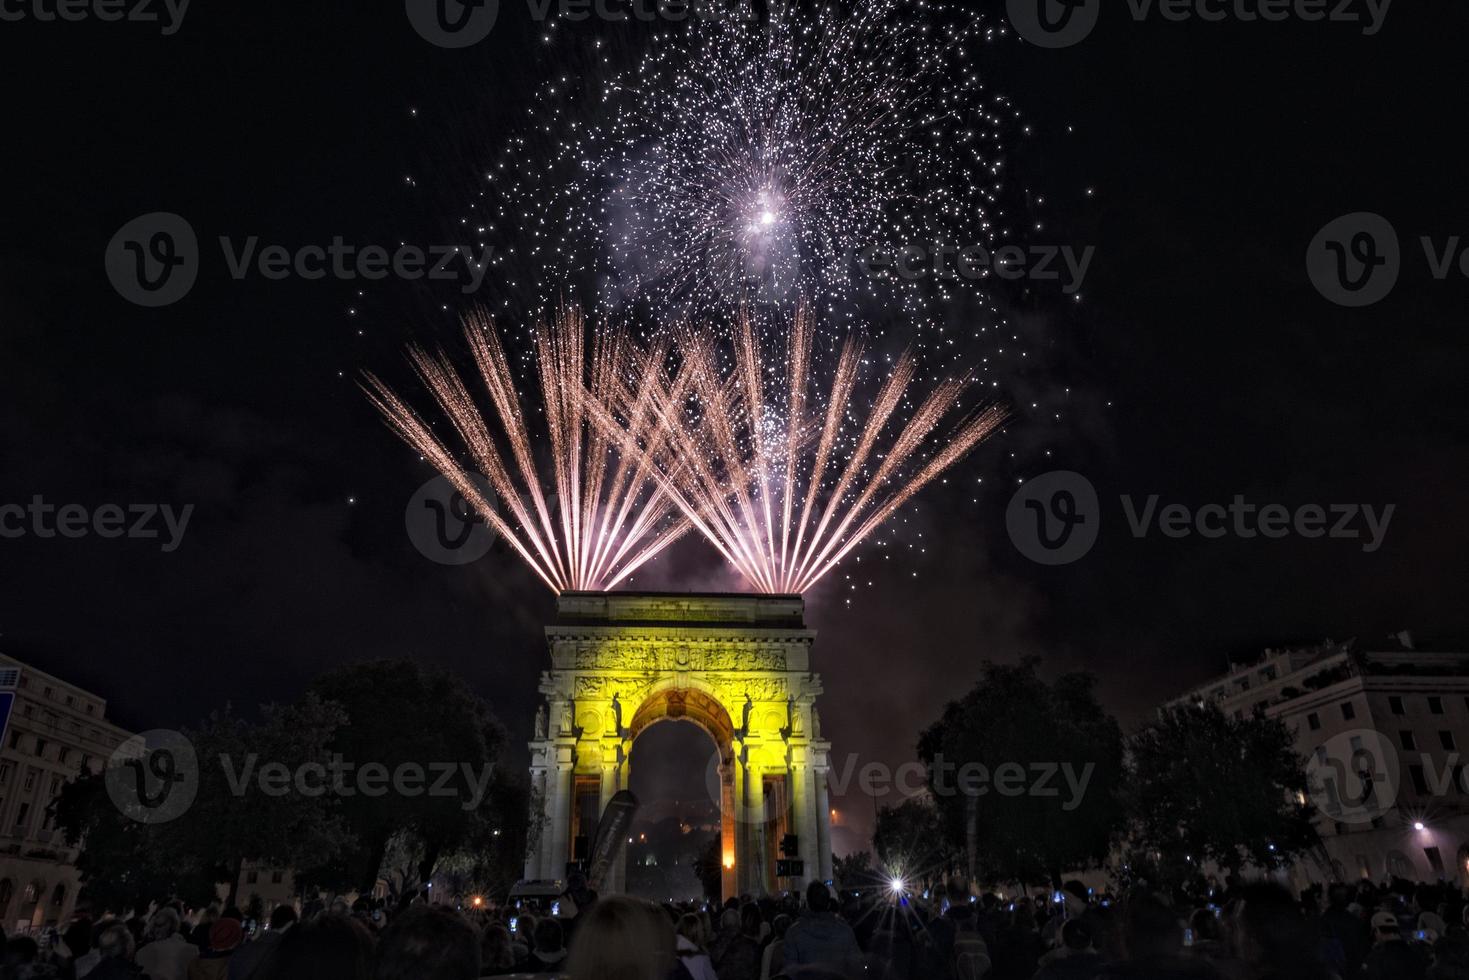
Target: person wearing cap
1392, 955
225, 937
1385, 928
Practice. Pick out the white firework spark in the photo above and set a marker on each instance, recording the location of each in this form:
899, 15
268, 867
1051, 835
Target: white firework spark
746, 160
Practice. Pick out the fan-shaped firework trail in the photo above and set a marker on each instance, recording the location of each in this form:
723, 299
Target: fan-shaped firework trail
782, 491
610, 515
754, 160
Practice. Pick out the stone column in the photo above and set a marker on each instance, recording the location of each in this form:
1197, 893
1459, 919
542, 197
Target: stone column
535, 860
755, 878
803, 807
729, 885
823, 825
612, 883
560, 850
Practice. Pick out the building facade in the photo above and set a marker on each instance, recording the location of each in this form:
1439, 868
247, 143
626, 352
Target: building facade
1385, 734
55, 731
738, 666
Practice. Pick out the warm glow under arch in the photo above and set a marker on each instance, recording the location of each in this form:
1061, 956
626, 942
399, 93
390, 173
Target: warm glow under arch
736, 665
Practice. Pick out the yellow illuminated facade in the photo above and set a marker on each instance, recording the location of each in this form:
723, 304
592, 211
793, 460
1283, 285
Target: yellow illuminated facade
739, 666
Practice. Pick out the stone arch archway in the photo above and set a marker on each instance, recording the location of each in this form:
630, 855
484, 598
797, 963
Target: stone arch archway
738, 666
682, 699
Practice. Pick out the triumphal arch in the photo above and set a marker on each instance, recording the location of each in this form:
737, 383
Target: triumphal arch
739, 666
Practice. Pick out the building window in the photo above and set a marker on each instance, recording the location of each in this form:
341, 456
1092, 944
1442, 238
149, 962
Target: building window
21, 814
27, 711
1313, 721
1446, 739
89, 708
1244, 683
276, 877
46, 692
58, 897
1407, 741
252, 877
41, 744
1395, 704
1435, 859
1420, 780
4, 773
1348, 712
70, 700
15, 740
1268, 673
1435, 705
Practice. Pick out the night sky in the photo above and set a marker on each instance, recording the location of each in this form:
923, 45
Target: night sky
1201, 364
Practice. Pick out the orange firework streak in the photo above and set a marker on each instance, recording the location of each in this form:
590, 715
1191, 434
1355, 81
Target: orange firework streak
782, 492
613, 513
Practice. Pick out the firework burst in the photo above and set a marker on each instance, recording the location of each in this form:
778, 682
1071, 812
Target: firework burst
782, 478
609, 515
753, 160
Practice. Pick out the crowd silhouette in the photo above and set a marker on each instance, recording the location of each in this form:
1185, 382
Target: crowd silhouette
1230, 931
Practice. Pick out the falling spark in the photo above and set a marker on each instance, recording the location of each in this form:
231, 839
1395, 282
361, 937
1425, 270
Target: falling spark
609, 515
782, 491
